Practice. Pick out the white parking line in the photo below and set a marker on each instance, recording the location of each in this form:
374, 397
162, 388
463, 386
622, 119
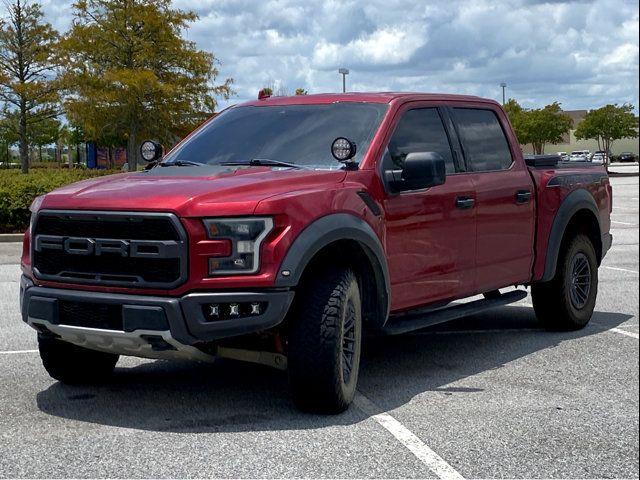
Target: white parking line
620, 269
624, 223
431, 459
13, 352
624, 332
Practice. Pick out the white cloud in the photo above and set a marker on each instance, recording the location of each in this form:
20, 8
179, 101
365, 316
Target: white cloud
583, 54
384, 47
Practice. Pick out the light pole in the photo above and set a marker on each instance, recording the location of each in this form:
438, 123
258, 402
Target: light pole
503, 85
344, 72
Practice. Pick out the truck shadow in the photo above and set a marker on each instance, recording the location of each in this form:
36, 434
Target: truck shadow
230, 397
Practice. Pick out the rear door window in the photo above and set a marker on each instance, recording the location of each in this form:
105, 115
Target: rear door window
483, 140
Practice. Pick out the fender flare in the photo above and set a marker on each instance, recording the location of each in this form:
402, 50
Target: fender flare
329, 229
574, 202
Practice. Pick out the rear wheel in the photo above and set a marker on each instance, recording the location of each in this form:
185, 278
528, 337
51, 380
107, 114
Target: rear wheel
567, 302
72, 364
324, 343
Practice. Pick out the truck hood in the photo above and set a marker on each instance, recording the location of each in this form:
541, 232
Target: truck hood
189, 191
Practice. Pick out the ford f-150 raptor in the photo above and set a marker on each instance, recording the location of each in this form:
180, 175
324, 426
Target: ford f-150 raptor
282, 229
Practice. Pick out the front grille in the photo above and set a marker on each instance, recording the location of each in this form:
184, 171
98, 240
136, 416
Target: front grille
90, 315
104, 248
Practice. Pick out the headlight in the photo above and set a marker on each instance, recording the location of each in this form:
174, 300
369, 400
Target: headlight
36, 204
246, 236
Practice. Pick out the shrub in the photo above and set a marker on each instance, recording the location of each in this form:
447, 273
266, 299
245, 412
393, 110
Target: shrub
17, 191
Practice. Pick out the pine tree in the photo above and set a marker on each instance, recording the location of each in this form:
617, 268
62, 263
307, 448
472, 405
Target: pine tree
28, 84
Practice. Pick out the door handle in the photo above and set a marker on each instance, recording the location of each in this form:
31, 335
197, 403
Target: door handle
523, 196
464, 203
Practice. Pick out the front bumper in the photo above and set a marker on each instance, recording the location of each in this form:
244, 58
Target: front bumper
147, 326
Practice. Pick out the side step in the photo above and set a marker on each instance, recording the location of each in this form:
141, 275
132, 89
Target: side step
415, 321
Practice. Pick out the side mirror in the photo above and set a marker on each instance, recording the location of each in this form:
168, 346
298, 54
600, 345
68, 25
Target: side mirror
421, 170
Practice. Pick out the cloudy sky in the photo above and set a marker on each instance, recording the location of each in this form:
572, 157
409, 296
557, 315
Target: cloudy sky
583, 54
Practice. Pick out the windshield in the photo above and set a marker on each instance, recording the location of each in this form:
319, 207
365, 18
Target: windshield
297, 134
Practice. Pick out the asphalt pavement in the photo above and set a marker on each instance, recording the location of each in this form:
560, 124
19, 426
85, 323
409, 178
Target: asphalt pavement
492, 395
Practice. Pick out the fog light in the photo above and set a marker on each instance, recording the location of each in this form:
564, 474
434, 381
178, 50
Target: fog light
219, 312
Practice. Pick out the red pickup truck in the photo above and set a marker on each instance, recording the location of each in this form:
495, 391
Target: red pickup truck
282, 229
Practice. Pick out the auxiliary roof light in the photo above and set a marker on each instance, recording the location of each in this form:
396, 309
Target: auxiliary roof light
343, 149
150, 150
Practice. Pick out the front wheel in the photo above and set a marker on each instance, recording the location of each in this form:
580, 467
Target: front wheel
567, 302
72, 364
324, 343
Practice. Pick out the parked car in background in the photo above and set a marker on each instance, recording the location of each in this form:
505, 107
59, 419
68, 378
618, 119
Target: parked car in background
10, 164
627, 157
600, 157
579, 156
564, 156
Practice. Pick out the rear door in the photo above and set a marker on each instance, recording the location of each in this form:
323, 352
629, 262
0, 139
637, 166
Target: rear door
505, 199
430, 242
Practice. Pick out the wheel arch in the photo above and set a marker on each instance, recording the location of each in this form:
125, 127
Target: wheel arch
342, 239
578, 213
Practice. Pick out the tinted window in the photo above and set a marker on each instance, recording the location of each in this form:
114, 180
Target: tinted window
419, 130
483, 140
300, 134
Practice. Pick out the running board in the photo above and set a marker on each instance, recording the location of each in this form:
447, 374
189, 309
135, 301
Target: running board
416, 321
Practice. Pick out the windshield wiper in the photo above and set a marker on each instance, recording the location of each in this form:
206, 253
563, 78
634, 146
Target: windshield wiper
181, 163
263, 162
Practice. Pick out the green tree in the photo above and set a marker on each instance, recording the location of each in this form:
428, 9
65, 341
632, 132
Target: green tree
301, 91
7, 138
133, 76
546, 125
27, 69
44, 133
538, 126
517, 115
607, 124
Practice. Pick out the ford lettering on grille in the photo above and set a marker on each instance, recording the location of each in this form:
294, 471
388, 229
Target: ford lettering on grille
102, 246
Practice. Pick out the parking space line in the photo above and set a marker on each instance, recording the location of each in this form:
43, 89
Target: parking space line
431, 459
13, 352
624, 332
620, 269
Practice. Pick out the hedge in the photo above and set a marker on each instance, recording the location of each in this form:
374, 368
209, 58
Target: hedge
17, 191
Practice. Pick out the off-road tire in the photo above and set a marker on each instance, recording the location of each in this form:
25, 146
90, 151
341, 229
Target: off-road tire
567, 301
324, 339
69, 363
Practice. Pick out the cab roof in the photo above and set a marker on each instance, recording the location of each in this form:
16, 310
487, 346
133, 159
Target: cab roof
368, 97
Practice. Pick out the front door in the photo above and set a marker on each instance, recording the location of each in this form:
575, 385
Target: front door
431, 233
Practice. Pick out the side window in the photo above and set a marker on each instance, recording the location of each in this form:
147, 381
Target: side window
485, 145
419, 130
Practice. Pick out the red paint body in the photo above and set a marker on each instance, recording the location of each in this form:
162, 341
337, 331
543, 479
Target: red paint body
434, 251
